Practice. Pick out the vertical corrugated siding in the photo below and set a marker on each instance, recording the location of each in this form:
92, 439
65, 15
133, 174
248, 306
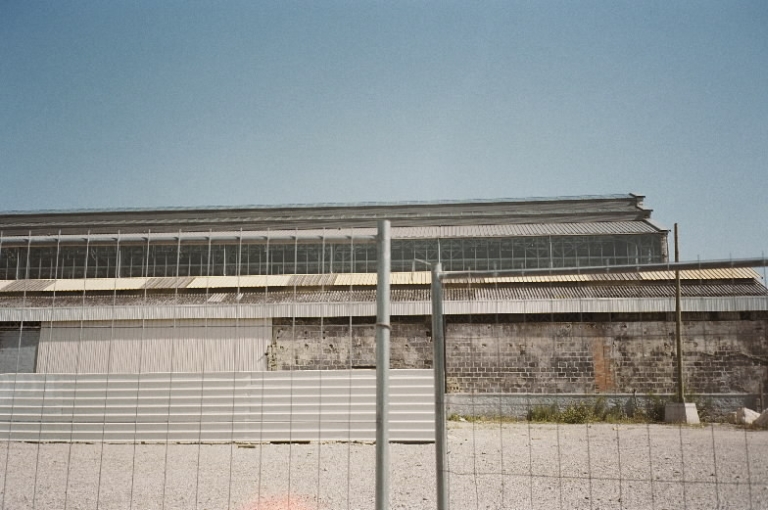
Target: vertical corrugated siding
184, 345
18, 349
307, 405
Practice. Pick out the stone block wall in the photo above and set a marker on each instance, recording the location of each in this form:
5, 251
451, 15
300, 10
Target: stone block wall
606, 357
309, 344
503, 355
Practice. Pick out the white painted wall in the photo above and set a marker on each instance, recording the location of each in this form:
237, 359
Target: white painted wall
183, 345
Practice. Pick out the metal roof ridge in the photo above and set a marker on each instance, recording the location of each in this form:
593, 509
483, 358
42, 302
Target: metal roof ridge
262, 207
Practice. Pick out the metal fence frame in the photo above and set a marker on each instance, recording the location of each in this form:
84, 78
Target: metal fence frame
438, 328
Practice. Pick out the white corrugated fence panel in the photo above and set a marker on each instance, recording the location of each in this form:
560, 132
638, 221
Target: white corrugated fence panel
333, 405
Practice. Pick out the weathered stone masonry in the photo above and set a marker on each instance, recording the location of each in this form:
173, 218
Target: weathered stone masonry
309, 344
724, 353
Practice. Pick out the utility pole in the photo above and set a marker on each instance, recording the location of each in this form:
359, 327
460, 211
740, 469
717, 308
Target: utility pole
679, 325
679, 411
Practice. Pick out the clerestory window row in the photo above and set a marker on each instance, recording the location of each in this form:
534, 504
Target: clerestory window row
230, 259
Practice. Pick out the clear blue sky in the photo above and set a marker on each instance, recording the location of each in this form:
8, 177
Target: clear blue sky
181, 103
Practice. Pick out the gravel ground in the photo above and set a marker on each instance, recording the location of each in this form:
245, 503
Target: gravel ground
493, 466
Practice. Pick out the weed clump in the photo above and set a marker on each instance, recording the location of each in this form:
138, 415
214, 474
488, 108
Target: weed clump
600, 410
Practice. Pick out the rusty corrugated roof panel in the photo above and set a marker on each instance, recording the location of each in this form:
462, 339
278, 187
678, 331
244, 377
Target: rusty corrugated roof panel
738, 273
169, 282
701, 274
24, 285
311, 280
525, 229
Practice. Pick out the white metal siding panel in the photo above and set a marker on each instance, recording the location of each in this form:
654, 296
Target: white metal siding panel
214, 407
126, 351
156, 346
157, 354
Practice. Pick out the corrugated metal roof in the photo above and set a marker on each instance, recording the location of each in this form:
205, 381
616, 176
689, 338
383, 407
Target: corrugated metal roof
473, 212
368, 308
94, 284
170, 282
525, 229
312, 280
699, 274
361, 234
203, 282
249, 281
352, 279
66, 286
347, 279
344, 205
114, 283
130, 283
398, 295
26, 285
414, 278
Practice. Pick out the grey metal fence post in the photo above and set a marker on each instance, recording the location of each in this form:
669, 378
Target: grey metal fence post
438, 340
382, 366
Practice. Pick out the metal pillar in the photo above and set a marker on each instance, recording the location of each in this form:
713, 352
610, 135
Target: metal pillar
438, 341
679, 326
382, 366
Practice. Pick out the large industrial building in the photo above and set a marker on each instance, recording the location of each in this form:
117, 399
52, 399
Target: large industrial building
146, 294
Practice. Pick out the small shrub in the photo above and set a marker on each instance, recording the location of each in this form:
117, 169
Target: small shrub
616, 414
579, 413
654, 408
600, 409
543, 413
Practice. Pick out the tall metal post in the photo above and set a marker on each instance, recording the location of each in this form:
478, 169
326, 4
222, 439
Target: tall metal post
679, 326
382, 366
438, 340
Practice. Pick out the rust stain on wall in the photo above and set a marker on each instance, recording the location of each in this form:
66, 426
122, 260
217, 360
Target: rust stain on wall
601, 355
